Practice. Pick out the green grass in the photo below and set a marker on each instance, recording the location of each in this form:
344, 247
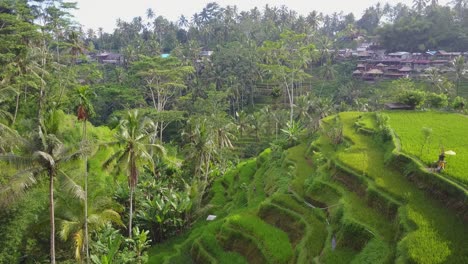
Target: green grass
438, 230
272, 242
448, 130
264, 213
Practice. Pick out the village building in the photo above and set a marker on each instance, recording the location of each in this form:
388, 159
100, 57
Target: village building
110, 58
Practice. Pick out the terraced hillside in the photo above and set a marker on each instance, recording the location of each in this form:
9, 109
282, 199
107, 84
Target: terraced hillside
447, 130
353, 202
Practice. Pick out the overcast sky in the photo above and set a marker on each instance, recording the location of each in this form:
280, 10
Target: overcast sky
104, 13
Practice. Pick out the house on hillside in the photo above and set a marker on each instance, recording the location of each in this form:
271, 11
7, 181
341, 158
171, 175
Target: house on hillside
402, 55
372, 75
444, 55
110, 58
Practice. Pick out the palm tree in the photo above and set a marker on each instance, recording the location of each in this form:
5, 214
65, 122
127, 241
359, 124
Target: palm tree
202, 150
74, 225
241, 122
134, 138
460, 69
419, 5
183, 22
43, 156
328, 71
84, 111
150, 13
75, 45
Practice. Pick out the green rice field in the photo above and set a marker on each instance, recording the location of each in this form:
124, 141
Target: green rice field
449, 131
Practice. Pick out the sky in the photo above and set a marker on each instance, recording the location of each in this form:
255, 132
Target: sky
104, 13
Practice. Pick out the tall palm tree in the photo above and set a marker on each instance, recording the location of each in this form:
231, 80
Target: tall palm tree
183, 22
460, 69
134, 138
202, 150
328, 72
84, 111
419, 5
43, 155
150, 13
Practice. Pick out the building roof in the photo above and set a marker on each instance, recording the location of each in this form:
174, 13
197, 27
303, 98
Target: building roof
357, 72
394, 74
399, 53
363, 54
405, 69
360, 65
421, 61
381, 65
443, 53
375, 72
440, 61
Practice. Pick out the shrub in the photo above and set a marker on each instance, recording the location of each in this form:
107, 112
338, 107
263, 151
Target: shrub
459, 103
413, 98
435, 100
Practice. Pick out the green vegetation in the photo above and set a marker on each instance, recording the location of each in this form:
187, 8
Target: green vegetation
237, 137
448, 133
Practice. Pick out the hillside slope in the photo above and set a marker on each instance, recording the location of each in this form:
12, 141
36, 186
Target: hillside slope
323, 203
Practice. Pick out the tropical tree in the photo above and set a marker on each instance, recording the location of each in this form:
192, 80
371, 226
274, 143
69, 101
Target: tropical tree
134, 139
43, 155
241, 122
314, 19
460, 70
419, 5
202, 152
74, 224
163, 77
84, 111
285, 60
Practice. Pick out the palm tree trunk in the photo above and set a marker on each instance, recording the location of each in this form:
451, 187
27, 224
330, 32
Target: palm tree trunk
131, 213
16, 109
52, 220
86, 194
161, 132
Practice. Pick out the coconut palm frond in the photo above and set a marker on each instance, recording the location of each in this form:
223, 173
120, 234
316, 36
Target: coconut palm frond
18, 162
71, 186
46, 157
24, 179
108, 162
102, 145
17, 186
78, 239
68, 227
158, 149
108, 215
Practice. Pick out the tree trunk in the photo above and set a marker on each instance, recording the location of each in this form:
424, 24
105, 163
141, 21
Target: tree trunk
131, 213
86, 193
161, 132
16, 110
52, 219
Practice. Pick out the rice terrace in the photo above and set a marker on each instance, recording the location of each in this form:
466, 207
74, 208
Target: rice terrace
449, 131
199, 133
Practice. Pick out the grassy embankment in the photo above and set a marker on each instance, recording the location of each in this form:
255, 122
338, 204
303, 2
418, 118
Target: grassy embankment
432, 233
